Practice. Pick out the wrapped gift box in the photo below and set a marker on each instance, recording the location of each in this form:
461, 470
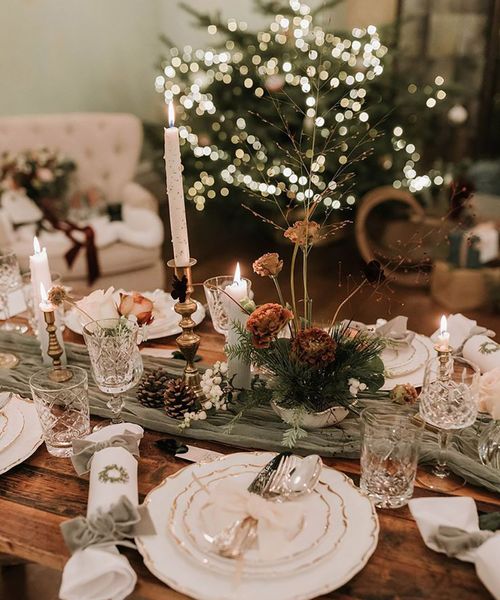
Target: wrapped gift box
472, 248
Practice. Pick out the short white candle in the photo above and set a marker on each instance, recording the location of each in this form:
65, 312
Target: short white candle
45, 305
444, 335
40, 275
175, 192
238, 370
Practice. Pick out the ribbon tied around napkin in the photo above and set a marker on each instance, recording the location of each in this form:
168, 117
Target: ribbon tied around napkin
452, 526
84, 450
122, 522
277, 523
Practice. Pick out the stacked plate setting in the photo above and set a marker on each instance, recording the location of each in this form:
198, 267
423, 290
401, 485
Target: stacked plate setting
406, 363
20, 432
165, 322
338, 536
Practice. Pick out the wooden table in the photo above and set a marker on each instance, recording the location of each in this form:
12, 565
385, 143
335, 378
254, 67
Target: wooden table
38, 495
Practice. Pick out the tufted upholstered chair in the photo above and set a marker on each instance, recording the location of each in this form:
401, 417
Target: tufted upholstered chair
106, 148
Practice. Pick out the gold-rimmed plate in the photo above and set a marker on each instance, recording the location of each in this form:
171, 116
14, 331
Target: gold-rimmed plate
323, 527
162, 556
28, 441
11, 425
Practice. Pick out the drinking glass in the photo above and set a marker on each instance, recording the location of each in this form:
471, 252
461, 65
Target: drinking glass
62, 407
115, 359
449, 401
389, 454
213, 291
10, 280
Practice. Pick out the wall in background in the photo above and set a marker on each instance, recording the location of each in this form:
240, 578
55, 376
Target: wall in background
92, 55
78, 55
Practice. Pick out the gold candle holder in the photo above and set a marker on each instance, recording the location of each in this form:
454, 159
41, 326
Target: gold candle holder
54, 350
188, 341
444, 355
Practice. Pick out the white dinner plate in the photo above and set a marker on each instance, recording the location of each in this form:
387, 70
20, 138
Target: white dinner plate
11, 425
29, 439
413, 377
167, 561
322, 530
399, 361
165, 323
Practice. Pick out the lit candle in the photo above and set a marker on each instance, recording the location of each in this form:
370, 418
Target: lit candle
45, 305
175, 192
40, 275
444, 336
238, 289
238, 370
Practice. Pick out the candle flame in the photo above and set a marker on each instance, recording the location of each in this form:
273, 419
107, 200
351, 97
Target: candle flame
43, 292
237, 274
36, 245
171, 114
444, 325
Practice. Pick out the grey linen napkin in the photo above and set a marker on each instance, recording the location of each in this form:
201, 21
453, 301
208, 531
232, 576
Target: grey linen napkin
455, 541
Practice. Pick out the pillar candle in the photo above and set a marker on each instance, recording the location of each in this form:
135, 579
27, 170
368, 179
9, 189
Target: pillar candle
238, 291
40, 275
175, 192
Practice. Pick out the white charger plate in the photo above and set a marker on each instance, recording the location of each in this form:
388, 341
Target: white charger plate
28, 441
166, 320
322, 531
165, 560
415, 378
407, 359
11, 425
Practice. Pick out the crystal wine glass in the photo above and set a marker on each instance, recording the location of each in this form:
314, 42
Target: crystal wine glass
10, 280
115, 359
449, 402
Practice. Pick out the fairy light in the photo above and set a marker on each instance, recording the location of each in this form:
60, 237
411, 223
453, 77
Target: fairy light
232, 151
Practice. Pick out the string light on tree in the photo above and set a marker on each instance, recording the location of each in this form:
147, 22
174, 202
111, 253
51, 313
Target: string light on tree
245, 106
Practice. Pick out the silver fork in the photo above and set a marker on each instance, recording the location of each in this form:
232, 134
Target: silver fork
233, 541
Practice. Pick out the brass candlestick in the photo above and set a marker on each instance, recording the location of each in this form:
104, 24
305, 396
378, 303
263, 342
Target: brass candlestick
444, 355
188, 341
54, 350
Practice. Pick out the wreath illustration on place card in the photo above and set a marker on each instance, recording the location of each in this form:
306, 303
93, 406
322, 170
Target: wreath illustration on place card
489, 347
113, 474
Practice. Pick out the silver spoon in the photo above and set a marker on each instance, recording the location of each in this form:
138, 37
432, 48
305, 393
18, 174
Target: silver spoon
300, 481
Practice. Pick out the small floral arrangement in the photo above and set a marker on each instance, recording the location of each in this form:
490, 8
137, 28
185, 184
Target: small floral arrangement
44, 174
309, 369
218, 392
489, 393
102, 304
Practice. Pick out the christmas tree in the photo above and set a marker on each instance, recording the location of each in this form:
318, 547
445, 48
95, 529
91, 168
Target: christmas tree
297, 112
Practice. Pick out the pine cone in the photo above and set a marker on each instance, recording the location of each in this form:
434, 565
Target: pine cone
152, 388
179, 398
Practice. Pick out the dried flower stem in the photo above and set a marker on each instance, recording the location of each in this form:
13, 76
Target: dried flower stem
292, 286
339, 308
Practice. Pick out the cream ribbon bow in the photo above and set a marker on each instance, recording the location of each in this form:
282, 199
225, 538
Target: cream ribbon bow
277, 522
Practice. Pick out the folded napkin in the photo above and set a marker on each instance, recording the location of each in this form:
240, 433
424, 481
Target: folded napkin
451, 526
461, 329
277, 523
482, 351
96, 570
395, 331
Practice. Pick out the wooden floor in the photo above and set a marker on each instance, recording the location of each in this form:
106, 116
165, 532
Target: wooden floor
218, 245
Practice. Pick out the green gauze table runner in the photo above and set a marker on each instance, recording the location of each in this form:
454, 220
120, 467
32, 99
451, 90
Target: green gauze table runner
258, 428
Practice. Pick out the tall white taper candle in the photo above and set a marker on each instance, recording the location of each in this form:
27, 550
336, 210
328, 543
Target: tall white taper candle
175, 192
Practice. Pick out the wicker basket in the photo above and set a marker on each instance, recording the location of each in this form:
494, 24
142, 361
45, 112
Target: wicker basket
462, 289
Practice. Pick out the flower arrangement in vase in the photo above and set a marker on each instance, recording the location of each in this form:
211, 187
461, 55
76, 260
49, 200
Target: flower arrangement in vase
42, 174
312, 375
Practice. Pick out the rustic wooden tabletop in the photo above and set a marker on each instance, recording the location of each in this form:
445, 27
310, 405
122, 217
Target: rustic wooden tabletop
38, 495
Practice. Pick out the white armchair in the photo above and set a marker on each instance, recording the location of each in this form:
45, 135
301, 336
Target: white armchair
106, 149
